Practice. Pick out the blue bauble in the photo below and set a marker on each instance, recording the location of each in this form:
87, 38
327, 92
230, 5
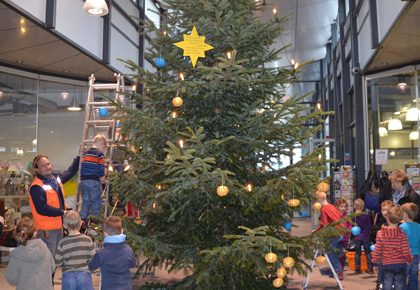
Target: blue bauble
118, 125
103, 112
372, 248
340, 238
288, 226
355, 230
160, 62
304, 213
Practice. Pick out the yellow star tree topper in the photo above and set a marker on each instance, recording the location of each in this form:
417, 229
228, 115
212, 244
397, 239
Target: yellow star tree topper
194, 46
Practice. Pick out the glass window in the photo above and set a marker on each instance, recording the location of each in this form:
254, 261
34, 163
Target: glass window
394, 118
152, 13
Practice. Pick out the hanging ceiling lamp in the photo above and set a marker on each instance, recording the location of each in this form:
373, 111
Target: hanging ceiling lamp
414, 135
383, 132
95, 8
74, 105
394, 124
412, 115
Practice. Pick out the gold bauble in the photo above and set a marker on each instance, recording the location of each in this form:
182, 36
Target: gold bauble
271, 258
323, 186
321, 259
177, 101
281, 272
288, 262
138, 221
317, 206
278, 282
293, 202
222, 190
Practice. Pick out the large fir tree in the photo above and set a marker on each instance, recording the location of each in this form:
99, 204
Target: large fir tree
235, 125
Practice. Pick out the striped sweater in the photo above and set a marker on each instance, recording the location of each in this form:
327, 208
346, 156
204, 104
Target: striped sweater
392, 248
74, 253
93, 166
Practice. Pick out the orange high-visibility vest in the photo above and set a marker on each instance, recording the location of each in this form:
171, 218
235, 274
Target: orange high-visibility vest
43, 222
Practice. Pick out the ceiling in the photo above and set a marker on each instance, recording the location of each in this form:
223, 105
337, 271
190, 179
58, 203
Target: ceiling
402, 46
308, 31
32, 47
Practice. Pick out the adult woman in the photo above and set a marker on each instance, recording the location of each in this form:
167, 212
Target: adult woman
400, 191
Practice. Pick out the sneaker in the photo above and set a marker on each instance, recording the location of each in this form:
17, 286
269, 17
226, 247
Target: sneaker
379, 286
341, 276
357, 271
369, 271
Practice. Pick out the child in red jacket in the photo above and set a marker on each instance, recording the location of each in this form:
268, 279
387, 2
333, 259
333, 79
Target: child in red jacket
393, 251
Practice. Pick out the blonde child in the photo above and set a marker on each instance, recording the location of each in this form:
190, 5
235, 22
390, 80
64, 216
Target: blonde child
115, 258
412, 229
363, 238
74, 253
342, 206
393, 251
31, 265
91, 174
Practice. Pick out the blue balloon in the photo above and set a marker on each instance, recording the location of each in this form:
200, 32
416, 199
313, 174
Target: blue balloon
288, 226
340, 238
103, 112
160, 62
304, 213
372, 248
355, 230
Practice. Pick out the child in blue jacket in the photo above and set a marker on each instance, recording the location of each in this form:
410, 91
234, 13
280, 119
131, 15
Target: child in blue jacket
115, 258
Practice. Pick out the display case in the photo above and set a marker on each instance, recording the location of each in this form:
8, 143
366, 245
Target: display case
14, 208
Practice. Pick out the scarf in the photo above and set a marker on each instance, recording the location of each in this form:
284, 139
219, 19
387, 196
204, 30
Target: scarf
398, 195
115, 239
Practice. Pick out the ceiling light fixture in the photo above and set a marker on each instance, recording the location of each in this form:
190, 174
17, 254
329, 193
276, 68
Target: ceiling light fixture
412, 115
394, 125
64, 96
414, 135
383, 132
74, 105
95, 8
402, 87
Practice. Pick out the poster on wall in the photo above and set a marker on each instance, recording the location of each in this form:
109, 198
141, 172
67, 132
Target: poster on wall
381, 156
413, 176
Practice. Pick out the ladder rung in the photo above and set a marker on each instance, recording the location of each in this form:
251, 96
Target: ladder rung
104, 202
99, 103
99, 121
106, 107
91, 140
97, 87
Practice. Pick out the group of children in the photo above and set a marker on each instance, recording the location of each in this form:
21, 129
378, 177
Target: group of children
31, 265
397, 248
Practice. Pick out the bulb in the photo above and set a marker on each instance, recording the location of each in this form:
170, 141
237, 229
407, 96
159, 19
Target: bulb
181, 76
181, 143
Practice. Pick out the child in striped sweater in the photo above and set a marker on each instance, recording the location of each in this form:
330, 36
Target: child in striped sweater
393, 251
74, 253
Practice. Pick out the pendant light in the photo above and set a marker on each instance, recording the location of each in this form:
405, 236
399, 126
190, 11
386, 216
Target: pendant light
383, 132
95, 8
74, 105
412, 115
394, 125
414, 135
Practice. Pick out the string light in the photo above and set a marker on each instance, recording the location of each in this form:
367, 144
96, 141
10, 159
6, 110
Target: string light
181, 76
249, 186
274, 11
181, 143
229, 55
164, 33
296, 65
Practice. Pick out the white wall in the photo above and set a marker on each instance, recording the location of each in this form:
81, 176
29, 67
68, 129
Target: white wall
34, 7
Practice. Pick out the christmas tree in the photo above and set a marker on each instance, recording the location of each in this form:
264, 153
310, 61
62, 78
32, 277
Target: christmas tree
205, 144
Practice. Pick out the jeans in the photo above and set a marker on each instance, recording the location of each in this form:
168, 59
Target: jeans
54, 236
76, 281
366, 245
334, 256
413, 273
394, 276
92, 198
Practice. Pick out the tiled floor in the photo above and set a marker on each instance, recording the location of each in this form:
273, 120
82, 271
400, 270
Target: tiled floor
351, 281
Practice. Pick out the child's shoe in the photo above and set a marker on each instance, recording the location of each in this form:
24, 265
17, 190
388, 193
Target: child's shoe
369, 271
357, 271
340, 276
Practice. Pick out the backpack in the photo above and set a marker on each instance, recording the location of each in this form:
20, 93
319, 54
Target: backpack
372, 195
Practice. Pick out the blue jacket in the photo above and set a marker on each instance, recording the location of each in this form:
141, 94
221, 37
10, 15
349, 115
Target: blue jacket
114, 260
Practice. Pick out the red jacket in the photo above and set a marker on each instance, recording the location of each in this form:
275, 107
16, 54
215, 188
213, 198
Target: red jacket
329, 214
392, 248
